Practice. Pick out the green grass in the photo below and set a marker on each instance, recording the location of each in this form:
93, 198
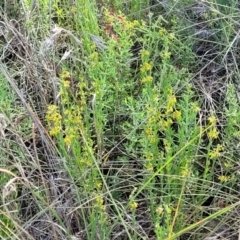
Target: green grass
124, 123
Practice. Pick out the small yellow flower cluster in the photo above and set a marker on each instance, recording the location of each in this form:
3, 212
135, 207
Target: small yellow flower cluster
133, 204
227, 165
85, 159
120, 24
99, 185
149, 167
185, 172
99, 202
72, 121
108, 16
66, 84
54, 118
215, 153
54, 131
167, 145
68, 139
176, 115
146, 67
151, 110
170, 113
60, 13
149, 156
93, 56
212, 120
164, 124
65, 75
165, 54
213, 133
171, 103
151, 130
129, 26
151, 134
195, 108
149, 161
94, 60
165, 209
164, 34
144, 53
223, 178
147, 79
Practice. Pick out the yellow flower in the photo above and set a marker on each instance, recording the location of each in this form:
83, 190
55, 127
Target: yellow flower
212, 120
133, 205
167, 145
60, 12
195, 107
149, 167
99, 185
214, 155
129, 25
56, 117
102, 207
162, 32
99, 202
93, 56
185, 172
223, 178
52, 108
68, 139
227, 164
216, 152
147, 79
146, 67
164, 124
165, 54
149, 157
66, 84
172, 100
65, 75
170, 104
88, 163
177, 115
136, 23
55, 130
213, 133
144, 80
145, 52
